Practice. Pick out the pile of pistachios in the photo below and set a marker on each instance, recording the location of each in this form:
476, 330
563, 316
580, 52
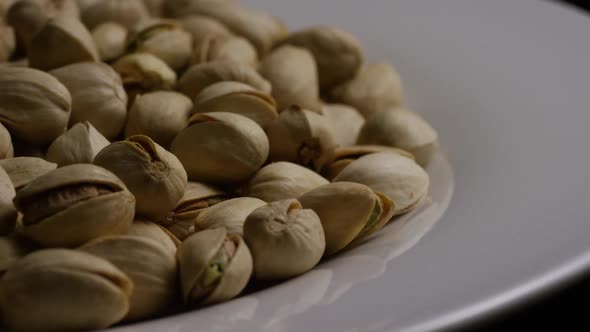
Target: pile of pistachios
161, 155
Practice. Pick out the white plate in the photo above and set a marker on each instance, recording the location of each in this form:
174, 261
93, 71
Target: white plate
507, 84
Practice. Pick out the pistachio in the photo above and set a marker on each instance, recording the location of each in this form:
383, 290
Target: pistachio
66, 207
161, 115
6, 147
23, 170
402, 129
79, 145
154, 232
63, 290
7, 41
221, 148
286, 240
97, 96
302, 137
182, 8
214, 266
61, 41
282, 180
154, 176
293, 73
201, 27
5, 5
224, 47
154, 7
127, 13
34, 106
8, 213
346, 123
239, 98
12, 249
110, 39
230, 214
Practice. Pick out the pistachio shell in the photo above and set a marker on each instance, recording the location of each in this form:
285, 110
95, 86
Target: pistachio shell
154, 232
161, 115
154, 176
154, 7
8, 213
34, 106
396, 176
63, 290
200, 76
200, 27
110, 39
286, 240
402, 129
143, 72
221, 148
6, 148
230, 214
12, 249
224, 47
239, 98
5, 5
7, 42
127, 13
293, 74
66, 207
23, 170
346, 123
27, 17
214, 266
79, 145
182, 8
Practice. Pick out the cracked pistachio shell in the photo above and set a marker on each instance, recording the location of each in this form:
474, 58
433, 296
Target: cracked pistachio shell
239, 98
398, 177
286, 239
200, 76
7, 42
66, 207
293, 74
151, 267
154, 7
97, 96
224, 47
127, 13
143, 72
403, 129
160, 115
282, 180
63, 290
166, 40
346, 123
61, 41
110, 39
337, 53
222, 148
214, 266
8, 213
79, 145
23, 170
155, 232
201, 27
302, 137
230, 214
348, 212
154, 176
6, 147
12, 249
34, 106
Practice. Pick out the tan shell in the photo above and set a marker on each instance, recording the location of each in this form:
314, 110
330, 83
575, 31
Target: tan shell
302, 137
143, 72
233, 159
214, 266
154, 176
402, 129
200, 76
34, 106
79, 145
182, 8
5, 5
6, 147
161, 115
110, 39
12, 249
62, 41
286, 240
200, 27
8, 213
127, 13
155, 232
282, 180
224, 47
346, 123
239, 98
392, 174
63, 290
230, 214
293, 74
23, 170
7, 42
154, 7
66, 207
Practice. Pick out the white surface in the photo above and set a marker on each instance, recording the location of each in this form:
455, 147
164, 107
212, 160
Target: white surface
507, 84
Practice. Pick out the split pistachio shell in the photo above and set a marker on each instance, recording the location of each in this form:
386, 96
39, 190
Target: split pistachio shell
161, 115
63, 290
12, 249
224, 47
143, 72
7, 41
293, 73
282, 180
62, 41
214, 266
337, 53
348, 212
8, 213
127, 13
221, 148
23, 170
154, 176
150, 266
6, 147
154, 232
239, 98
230, 214
34, 106
201, 27
97, 96
200, 76
286, 239
346, 123
398, 177
110, 39
66, 207
79, 145
27, 17
402, 129
302, 137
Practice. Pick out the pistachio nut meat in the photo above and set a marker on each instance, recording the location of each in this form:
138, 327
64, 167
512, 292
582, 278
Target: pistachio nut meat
346, 123
23, 170
79, 145
110, 39
127, 13
230, 214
